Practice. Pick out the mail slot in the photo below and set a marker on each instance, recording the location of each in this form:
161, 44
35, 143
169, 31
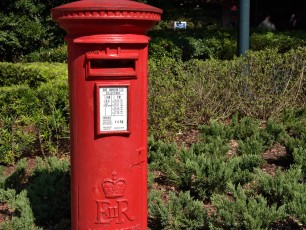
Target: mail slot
107, 68
111, 66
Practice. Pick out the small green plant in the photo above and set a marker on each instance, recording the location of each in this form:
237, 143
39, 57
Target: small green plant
244, 167
177, 212
206, 176
275, 131
241, 210
211, 148
296, 207
299, 158
161, 47
48, 191
216, 129
282, 187
251, 146
285, 189
19, 208
295, 122
245, 128
19, 178
37, 196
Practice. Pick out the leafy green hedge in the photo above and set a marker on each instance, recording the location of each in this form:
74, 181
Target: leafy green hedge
34, 114
219, 44
184, 94
31, 74
189, 44
59, 54
282, 41
34, 97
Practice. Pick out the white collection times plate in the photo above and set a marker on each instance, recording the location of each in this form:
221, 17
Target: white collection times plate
113, 108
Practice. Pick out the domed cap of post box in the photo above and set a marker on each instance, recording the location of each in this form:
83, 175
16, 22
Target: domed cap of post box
87, 17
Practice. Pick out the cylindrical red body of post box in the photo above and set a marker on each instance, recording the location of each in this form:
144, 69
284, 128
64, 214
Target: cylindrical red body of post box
107, 65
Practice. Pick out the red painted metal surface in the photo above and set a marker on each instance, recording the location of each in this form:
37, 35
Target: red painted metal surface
107, 64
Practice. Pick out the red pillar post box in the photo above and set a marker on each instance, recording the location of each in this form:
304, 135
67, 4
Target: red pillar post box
107, 65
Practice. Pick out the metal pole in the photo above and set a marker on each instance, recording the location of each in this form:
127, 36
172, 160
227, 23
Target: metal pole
244, 27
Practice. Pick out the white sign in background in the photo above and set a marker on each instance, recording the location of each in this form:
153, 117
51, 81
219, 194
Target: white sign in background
113, 108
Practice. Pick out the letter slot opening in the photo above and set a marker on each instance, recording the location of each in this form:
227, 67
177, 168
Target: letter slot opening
111, 68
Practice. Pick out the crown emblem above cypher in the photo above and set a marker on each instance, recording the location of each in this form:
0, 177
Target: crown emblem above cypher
114, 187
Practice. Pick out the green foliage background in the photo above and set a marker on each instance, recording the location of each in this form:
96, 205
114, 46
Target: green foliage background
34, 110
185, 94
26, 26
196, 82
257, 102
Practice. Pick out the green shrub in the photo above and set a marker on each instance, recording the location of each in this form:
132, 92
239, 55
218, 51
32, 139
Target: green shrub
161, 47
211, 43
273, 82
282, 187
58, 54
178, 212
157, 150
252, 139
202, 169
206, 167
299, 158
52, 120
297, 208
166, 90
243, 168
245, 128
48, 191
240, 210
214, 148
18, 74
33, 118
17, 133
185, 94
188, 44
216, 129
295, 142
250, 146
275, 131
38, 194
20, 210
280, 41
31, 74
17, 180
295, 122
36, 119
50, 71
285, 188
162, 157
201, 48
206, 176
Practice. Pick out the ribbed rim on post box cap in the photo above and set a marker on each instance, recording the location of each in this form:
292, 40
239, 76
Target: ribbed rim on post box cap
111, 9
